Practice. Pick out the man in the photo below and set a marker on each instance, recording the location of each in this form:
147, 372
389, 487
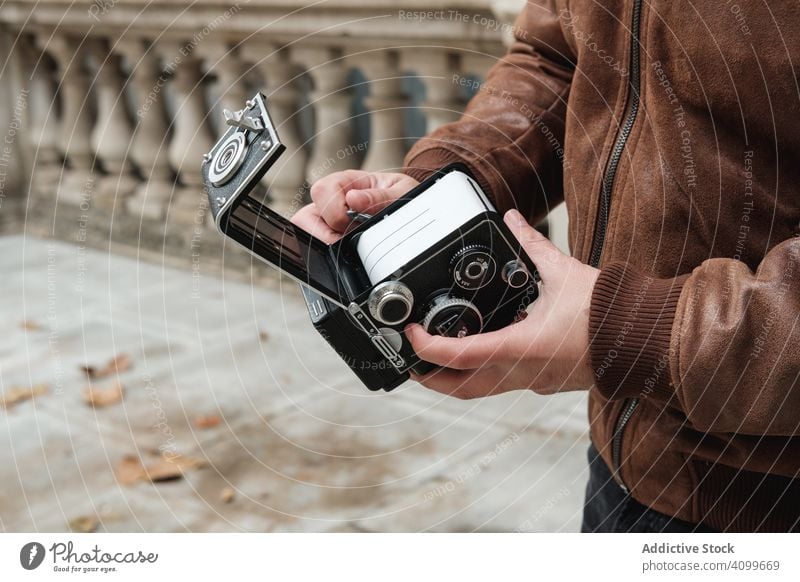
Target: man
671, 131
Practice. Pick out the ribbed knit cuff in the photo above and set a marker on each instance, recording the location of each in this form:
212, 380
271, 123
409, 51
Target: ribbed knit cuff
630, 326
422, 165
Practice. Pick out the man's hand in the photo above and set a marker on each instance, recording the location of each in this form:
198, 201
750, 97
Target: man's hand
369, 192
547, 352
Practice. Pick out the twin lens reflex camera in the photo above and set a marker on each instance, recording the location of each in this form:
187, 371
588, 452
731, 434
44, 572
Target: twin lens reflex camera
440, 255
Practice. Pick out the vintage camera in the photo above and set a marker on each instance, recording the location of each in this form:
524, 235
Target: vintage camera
440, 255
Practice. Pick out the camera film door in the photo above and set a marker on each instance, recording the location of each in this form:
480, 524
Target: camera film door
232, 171
285, 246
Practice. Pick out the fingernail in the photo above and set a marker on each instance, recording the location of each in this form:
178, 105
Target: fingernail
514, 218
351, 196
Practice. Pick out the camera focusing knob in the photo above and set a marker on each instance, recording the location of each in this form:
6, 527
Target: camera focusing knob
516, 274
391, 302
473, 267
452, 317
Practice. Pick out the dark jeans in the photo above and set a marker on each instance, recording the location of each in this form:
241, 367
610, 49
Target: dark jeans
608, 509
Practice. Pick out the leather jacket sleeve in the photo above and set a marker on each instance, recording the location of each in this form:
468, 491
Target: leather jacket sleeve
511, 135
722, 343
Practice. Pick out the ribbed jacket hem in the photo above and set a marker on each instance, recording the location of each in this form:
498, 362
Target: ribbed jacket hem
734, 500
630, 326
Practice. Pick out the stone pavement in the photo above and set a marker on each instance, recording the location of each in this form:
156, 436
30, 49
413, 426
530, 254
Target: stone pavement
300, 445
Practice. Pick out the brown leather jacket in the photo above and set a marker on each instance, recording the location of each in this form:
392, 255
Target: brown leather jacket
672, 131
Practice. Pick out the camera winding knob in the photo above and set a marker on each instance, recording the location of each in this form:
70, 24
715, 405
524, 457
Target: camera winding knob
391, 302
452, 317
473, 267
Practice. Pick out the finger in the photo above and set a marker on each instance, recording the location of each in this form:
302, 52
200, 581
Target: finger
462, 384
308, 219
464, 353
544, 254
370, 200
329, 196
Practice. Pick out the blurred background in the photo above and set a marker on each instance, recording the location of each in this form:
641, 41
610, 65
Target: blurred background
154, 378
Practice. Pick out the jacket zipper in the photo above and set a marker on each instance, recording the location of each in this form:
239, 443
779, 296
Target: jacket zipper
625, 414
623, 134
632, 109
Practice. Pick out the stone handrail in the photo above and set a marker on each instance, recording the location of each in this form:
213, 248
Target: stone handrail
110, 104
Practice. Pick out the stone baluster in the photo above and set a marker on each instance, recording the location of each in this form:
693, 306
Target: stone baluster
43, 122
440, 72
387, 104
14, 96
332, 149
286, 179
231, 72
149, 146
78, 181
191, 138
111, 138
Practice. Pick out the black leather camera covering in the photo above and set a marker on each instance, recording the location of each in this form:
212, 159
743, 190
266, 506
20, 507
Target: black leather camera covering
242, 214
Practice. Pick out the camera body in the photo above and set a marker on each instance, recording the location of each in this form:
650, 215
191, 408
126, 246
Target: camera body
440, 255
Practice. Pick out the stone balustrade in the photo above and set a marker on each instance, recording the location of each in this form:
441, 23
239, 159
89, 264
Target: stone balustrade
114, 102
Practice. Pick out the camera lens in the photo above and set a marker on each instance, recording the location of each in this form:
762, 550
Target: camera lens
391, 302
394, 308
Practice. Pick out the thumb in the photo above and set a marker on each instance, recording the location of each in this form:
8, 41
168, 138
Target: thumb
544, 254
369, 200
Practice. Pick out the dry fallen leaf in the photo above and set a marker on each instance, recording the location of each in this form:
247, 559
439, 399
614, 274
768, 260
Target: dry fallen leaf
84, 524
99, 397
16, 395
129, 470
30, 325
207, 421
173, 468
116, 365
227, 495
